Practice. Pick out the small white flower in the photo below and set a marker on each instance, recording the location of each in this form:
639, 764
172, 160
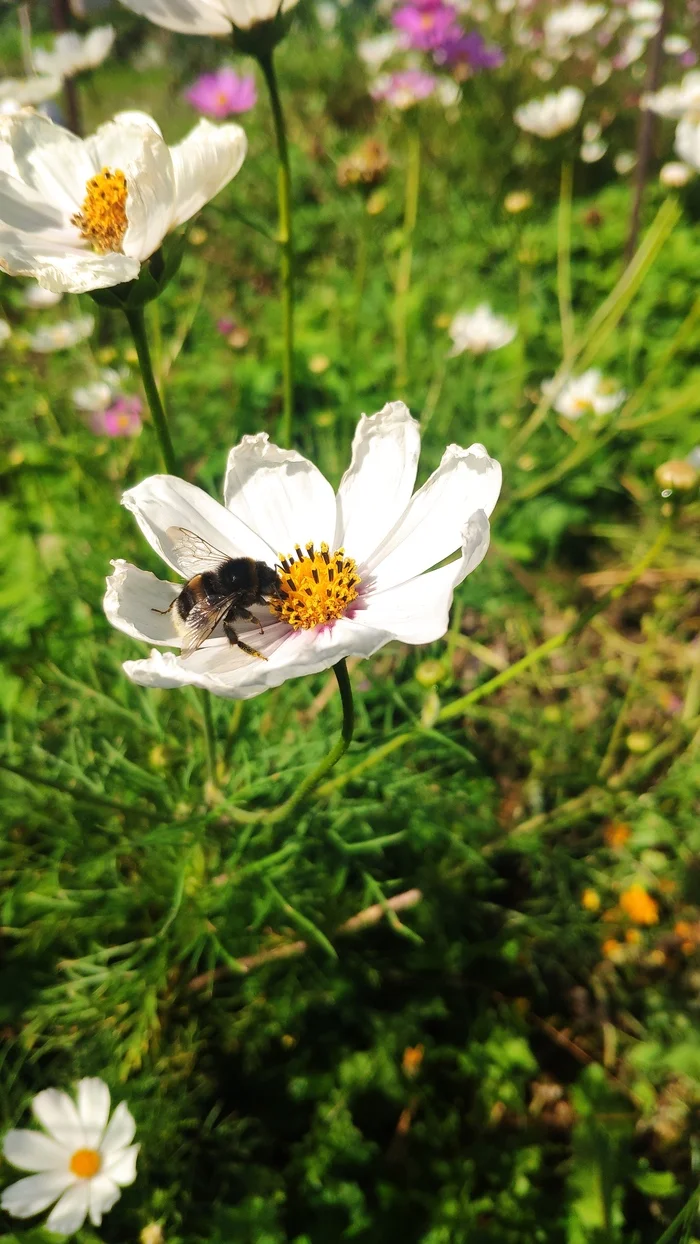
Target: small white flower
99, 394
209, 17
480, 331
675, 101
551, 115
624, 162
601, 72
5, 332
587, 394
676, 45
687, 141
84, 214
571, 22
593, 151
81, 1164
62, 336
375, 51
16, 93
675, 174
645, 11
38, 298
72, 53
356, 568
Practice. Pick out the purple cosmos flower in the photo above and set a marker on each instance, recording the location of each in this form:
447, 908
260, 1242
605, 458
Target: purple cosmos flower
469, 49
427, 27
222, 93
404, 89
122, 418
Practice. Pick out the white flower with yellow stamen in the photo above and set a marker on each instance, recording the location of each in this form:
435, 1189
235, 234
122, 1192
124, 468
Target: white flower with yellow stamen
72, 53
63, 335
587, 394
80, 1165
209, 17
16, 93
480, 331
356, 569
84, 214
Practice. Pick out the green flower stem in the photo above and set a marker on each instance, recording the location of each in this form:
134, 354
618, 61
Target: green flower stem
209, 735
564, 260
137, 324
60, 14
285, 238
403, 276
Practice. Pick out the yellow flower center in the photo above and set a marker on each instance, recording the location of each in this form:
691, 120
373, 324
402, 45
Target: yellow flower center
427, 21
85, 1163
315, 587
582, 405
102, 220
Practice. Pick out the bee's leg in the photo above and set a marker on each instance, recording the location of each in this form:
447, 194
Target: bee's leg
233, 639
247, 616
165, 610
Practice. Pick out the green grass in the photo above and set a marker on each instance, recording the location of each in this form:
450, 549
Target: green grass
558, 1094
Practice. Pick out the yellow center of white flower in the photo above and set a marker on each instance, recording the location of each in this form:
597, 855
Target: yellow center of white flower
102, 220
85, 1163
315, 587
582, 405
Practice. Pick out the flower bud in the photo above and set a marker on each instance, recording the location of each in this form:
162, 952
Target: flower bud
678, 474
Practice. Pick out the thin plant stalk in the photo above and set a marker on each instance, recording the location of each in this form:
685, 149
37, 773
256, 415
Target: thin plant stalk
137, 324
285, 238
209, 735
403, 276
60, 14
646, 132
566, 317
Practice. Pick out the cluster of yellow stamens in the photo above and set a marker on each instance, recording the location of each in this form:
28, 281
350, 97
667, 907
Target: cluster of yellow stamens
85, 1163
315, 587
102, 220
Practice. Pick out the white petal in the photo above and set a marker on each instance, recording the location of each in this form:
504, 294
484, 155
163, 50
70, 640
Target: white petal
104, 1193
279, 493
93, 1108
120, 1131
164, 501
32, 1195
56, 1112
61, 269
189, 17
68, 1215
377, 486
23, 208
32, 1151
134, 603
120, 1166
246, 13
431, 527
203, 163
418, 612
50, 159
142, 155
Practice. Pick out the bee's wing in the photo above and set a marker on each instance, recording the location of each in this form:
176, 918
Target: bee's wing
194, 553
201, 622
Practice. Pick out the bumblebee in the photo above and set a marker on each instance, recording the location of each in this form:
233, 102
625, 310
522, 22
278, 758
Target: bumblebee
221, 589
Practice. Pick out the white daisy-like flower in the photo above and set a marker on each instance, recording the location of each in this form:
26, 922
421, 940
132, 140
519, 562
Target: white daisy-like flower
675, 101
99, 394
209, 17
83, 214
72, 53
61, 336
38, 299
356, 569
480, 331
5, 331
587, 394
16, 93
81, 1163
687, 141
551, 115
572, 21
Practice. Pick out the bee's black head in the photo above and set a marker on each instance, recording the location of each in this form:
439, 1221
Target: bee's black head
268, 580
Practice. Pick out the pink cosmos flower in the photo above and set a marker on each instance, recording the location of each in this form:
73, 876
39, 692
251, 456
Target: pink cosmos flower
122, 418
404, 89
469, 49
427, 28
222, 93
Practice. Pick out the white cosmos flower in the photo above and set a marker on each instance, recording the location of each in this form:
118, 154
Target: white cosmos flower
99, 394
37, 298
356, 568
81, 1164
687, 142
380, 48
675, 101
82, 214
209, 17
587, 394
61, 336
479, 331
551, 115
18, 93
572, 21
675, 174
593, 151
72, 53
